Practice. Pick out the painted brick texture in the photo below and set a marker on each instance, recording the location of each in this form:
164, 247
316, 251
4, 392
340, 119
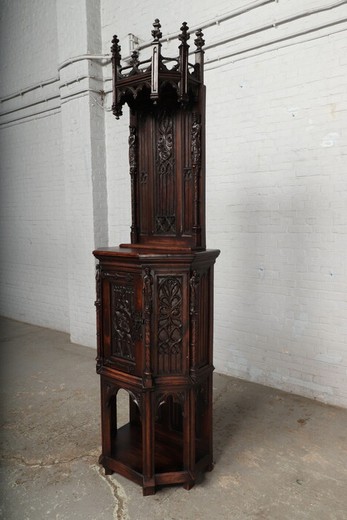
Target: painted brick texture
34, 287
276, 174
276, 188
277, 207
33, 234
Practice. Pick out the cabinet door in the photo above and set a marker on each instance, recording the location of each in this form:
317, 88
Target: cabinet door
122, 320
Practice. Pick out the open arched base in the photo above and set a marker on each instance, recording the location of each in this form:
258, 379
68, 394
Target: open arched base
161, 444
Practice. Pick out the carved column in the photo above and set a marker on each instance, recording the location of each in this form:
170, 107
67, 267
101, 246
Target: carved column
133, 175
97, 303
194, 313
148, 303
196, 164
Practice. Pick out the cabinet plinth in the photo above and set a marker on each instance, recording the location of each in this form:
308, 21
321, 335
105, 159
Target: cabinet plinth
155, 295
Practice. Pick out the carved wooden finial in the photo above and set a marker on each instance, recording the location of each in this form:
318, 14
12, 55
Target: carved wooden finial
117, 110
134, 59
114, 45
199, 41
115, 48
156, 32
184, 36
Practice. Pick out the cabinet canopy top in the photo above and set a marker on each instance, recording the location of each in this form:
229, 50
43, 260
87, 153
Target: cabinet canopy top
150, 79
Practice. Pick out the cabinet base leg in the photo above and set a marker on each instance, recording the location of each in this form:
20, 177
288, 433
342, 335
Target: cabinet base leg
189, 485
147, 491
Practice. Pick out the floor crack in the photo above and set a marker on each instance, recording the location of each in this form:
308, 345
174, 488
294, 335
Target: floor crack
42, 464
120, 510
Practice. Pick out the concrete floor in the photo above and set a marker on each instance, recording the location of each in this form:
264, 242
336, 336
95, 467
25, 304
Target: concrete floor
278, 456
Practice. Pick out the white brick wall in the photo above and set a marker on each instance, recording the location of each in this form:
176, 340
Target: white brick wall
276, 187
32, 233
83, 139
280, 197
276, 184
53, 179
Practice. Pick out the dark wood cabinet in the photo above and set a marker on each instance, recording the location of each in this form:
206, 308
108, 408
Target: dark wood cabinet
155, 295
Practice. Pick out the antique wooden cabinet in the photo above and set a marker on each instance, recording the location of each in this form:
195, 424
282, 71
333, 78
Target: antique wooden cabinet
155, 295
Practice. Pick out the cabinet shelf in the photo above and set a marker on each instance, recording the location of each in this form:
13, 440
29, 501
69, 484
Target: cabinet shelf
168, 454
127, 451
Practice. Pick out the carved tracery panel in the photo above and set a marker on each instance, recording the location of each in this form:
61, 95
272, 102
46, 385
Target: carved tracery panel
170, 324
165, 217
124, 328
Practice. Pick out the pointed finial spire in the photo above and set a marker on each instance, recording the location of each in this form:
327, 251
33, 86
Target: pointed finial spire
184, 36
134, 58
156, 32
199, 41
115, 48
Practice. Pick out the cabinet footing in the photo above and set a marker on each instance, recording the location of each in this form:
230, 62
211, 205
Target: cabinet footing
147, 491
159, 480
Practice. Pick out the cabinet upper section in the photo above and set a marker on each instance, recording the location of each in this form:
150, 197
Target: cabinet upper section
142, 84
166, 97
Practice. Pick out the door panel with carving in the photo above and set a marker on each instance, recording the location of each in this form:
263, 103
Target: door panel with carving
123, 322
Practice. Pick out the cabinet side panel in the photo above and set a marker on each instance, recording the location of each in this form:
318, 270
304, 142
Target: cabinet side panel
204, 318
170, 330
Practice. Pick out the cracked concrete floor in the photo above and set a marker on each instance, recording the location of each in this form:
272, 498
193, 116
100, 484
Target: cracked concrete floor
278, 456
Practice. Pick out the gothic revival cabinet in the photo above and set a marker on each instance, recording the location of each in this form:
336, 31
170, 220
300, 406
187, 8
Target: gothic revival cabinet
155, 295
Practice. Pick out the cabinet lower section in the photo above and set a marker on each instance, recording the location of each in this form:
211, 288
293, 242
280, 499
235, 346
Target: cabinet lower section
167, 439
154, 319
